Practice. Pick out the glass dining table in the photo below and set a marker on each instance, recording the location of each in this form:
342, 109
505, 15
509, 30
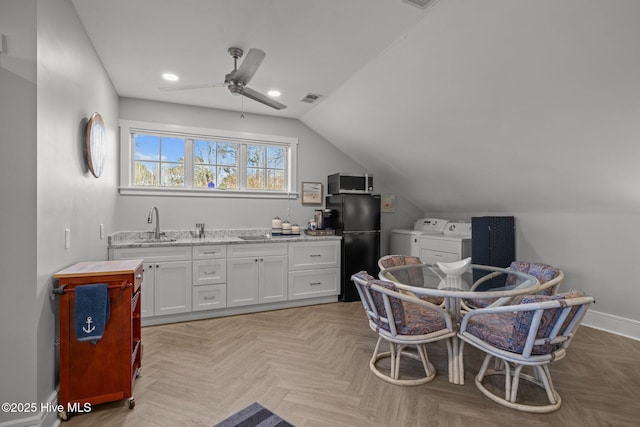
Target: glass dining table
479, 286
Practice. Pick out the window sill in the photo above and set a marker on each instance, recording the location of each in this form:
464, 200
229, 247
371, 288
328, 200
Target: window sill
181, 192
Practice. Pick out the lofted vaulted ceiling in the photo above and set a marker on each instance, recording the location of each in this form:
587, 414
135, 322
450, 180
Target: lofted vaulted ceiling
492, 105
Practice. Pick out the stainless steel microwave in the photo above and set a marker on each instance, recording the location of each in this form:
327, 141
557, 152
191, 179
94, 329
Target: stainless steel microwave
341, 183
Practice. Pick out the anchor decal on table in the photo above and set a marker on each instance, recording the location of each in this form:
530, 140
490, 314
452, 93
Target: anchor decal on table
88, 329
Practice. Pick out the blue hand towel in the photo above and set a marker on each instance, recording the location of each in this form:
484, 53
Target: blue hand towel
91, 311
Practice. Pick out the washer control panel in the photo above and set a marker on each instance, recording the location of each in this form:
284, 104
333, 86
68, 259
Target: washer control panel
431, 225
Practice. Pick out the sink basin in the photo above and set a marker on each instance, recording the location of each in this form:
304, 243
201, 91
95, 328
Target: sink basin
153, 240
255, 237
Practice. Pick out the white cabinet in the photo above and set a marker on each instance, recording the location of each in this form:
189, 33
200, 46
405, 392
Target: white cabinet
209, 264
256, 273
167, 278
209, 291
172, 288
314, 255
314, 269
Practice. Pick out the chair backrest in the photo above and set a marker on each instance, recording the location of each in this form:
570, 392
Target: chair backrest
542, 324
549, 277
385, 311
412, 276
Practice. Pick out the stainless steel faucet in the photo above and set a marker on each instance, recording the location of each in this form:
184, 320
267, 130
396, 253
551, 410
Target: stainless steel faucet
150, 221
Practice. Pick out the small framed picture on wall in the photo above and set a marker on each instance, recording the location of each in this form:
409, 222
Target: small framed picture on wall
312, 193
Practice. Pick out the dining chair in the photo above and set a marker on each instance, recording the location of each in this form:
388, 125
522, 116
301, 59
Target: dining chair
531, 335
404, 321
413, 276
548, 276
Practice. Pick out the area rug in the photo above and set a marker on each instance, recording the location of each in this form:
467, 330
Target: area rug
254, 415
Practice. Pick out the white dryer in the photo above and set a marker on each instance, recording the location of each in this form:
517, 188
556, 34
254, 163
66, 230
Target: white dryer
453, 244
406, 242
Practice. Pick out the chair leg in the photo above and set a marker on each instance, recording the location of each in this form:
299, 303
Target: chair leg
395, 355
512, 375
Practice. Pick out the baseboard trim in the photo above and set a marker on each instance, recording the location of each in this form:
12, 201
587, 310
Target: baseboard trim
232, 311
615, 324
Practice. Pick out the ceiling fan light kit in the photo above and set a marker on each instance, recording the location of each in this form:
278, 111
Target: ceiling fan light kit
236, 81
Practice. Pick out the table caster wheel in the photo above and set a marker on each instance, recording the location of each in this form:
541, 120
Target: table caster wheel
64, 415
132, 403
138, 372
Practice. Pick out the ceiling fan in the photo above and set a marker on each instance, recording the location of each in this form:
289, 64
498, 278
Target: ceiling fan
236, 81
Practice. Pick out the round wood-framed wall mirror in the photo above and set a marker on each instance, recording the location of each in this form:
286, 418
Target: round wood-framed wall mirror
96, 144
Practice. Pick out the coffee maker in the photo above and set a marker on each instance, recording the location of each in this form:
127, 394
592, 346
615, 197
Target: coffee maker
322, 217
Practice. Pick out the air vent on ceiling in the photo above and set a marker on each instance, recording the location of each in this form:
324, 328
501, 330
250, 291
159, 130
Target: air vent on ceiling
422, 4
310, 98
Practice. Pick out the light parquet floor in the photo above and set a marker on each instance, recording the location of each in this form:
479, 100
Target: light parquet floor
310, 366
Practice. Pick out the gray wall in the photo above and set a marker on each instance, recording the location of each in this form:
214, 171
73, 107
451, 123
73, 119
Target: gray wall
317, 158
45, 184
18, 319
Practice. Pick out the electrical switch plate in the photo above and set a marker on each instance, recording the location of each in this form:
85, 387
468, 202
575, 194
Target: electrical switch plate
2, 43
101, 231
67, 238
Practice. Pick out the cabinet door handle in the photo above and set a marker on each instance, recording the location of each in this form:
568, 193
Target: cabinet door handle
315, 255
315, 283
208, 273
209, 252
209, 298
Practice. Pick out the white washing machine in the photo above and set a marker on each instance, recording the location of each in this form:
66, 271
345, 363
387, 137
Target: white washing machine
406, 242
453, 244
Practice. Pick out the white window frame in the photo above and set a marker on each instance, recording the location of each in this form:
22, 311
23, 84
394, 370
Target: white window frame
127, 127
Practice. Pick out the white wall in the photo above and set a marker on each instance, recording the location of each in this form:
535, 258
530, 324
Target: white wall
317, 158
18, 319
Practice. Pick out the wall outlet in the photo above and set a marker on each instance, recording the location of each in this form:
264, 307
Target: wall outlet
67, 238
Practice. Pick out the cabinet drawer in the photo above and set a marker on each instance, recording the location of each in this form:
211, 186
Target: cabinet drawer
167, 253
314, 283
314, 255
209, 252
209, 297
209, 272
242, 250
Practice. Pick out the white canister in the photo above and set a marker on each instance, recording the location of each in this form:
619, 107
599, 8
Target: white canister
295, 229
276, 223
286, 227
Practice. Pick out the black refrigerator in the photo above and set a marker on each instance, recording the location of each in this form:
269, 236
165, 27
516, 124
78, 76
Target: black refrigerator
356, 217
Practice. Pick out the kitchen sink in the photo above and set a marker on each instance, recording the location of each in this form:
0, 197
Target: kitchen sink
154, 240
255, 237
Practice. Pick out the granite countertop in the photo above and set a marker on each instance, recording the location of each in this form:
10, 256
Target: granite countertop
145, 239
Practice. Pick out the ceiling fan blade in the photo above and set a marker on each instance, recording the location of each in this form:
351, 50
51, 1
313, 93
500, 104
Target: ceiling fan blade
257, 96
249, 66
191, 86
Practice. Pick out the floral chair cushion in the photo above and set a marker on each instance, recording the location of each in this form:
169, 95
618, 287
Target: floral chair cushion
508, 331
542, 272
420, 320
397, 308
411, 276
410, 319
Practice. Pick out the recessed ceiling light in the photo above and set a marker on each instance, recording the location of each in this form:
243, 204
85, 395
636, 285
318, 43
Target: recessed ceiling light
170, 77
275, 93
